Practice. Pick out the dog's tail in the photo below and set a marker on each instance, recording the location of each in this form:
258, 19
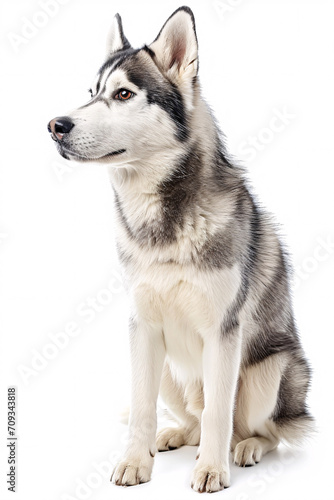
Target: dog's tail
297, 430
294, 424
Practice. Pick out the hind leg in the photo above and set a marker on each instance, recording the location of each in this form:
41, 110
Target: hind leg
255, 432
186, 406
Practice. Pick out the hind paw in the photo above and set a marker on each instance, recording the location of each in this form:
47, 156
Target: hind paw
170, 438
248, 452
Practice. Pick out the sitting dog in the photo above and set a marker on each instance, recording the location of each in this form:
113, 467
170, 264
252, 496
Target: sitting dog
212, 327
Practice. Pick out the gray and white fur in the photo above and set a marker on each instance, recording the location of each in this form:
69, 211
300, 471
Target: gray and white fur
212, 327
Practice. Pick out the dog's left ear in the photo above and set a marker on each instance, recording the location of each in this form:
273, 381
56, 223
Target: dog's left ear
116, 39
175, 48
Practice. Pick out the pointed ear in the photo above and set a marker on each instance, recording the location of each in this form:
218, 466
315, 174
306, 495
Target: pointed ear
176, 48
116, 39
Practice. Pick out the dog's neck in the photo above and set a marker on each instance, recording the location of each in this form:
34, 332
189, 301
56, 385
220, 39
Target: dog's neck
157, 198
146, 175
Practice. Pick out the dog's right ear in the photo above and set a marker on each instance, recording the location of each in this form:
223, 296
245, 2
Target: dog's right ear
116, 39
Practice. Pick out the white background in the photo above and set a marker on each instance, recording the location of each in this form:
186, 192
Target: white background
257, 59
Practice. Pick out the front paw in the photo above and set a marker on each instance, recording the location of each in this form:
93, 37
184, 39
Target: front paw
208, 478
132, 470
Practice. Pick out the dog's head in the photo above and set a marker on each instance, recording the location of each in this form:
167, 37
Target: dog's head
141, 99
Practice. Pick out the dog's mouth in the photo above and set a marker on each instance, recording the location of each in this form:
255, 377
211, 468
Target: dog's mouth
67, 153
59, 129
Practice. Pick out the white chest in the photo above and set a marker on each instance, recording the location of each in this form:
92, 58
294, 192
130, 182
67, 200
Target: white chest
188, 305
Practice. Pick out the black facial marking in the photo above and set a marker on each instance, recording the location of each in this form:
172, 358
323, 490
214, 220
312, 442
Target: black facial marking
116, 60
126, 55
159, 91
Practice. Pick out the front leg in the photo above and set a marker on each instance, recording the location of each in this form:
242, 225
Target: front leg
147, 357
221, 361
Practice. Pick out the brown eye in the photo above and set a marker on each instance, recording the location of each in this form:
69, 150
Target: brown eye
123, 95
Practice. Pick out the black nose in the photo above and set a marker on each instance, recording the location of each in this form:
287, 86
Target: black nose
60, 126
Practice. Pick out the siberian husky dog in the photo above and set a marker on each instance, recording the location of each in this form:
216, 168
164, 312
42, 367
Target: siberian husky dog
212, 327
